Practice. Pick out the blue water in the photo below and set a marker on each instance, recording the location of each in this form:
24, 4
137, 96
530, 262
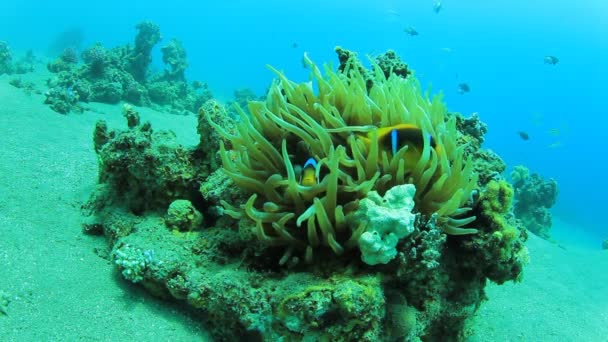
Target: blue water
497, 47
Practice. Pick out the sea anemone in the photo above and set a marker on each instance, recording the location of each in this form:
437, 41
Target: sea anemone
340, 119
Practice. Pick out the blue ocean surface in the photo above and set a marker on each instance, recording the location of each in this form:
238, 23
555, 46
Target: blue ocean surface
551, 118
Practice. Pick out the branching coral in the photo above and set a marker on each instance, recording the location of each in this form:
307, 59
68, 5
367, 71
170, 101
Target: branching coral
342, 125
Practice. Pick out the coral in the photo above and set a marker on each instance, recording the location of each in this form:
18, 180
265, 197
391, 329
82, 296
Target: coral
148, 35
472, 127
182, 216
65, 62
504, 254
418, 264
534, 196
519, 176
6, 58
387, 220
218, 187
339, 309
63, 99
210, 138
69, 55
164, 92
122, 74
107, 92
338, 125
241, 100
147, 169
497, 197
9, 66
435, 281
243, 96
28, 86
174, 55
25, 64
97, 59
133, 262
487, 164
401, 318
390, 63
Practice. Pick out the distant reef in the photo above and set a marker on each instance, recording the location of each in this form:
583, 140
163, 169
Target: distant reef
122, 73
10, 65
534, 197
357, 210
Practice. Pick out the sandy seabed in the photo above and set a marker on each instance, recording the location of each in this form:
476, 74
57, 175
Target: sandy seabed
62, 287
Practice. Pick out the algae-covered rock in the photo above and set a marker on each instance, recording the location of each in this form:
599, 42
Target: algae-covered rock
146, 169
182, 216
213, 111
174, 56
148, 35
534, 197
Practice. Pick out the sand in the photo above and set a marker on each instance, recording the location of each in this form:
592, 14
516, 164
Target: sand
61, 285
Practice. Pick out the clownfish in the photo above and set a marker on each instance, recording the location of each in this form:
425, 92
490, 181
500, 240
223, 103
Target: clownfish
309, 173
393, 138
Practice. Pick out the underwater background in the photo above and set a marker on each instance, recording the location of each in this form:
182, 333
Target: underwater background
497, 48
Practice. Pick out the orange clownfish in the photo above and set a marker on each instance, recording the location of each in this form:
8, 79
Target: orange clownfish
309, 173
393, 138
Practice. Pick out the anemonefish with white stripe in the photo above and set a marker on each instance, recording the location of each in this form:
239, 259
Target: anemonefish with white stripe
392, 139
309, 173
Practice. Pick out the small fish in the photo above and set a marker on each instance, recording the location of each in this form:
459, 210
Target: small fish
295, 45
524, 135
446, 50
309, 173
411, 31
552, 60
437, 6
537, 119
463, 88
394, 13
555, 144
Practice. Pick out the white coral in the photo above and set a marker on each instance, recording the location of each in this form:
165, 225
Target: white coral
389, 219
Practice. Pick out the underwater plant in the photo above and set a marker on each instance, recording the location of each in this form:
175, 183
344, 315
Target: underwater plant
309, 156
